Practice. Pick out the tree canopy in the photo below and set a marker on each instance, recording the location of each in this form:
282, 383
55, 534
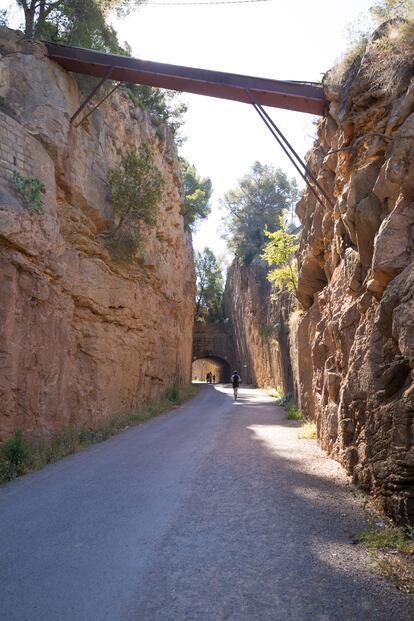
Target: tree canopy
209, 280
384, 10
79, 22
253, 206
197, 194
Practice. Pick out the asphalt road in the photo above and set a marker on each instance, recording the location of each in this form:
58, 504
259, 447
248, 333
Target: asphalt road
216, 511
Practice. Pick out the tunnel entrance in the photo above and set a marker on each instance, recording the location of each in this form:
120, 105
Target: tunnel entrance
211, 364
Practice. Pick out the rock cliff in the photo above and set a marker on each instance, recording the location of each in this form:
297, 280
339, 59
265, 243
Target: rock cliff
82, 337
355, 372
259, 326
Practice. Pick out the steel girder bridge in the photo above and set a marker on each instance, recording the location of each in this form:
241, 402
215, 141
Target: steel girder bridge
259, 92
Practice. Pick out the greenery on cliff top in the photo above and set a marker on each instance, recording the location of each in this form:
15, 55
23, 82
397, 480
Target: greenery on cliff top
85, 23
387, 33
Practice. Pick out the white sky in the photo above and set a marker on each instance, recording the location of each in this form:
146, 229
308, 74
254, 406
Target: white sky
280, 39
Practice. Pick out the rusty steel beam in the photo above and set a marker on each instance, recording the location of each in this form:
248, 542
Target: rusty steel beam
297, 96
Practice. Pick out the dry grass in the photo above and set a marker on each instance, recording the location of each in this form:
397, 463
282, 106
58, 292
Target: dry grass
17, 457
307, 430
392, 548
337, 74
391, 58
387, 61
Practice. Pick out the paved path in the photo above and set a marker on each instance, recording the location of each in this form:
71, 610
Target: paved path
215, 511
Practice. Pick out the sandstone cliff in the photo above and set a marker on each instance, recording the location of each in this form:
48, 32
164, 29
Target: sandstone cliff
82, 337
259, 326
356, 282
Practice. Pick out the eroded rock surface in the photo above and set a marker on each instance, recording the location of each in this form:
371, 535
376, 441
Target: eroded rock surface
260, 327
357, 281
82, 337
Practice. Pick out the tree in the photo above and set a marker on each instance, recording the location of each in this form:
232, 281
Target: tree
261, 195
135, 188
163, 106
209, 280
80, 22
197, 194
85, 23
383, 10
280, 252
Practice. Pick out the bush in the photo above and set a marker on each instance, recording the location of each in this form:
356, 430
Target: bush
30, 189
268, 331
163, 106
15, 454
135, 188
292, 411
173, 395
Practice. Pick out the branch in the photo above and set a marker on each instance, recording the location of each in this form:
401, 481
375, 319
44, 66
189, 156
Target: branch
358, 140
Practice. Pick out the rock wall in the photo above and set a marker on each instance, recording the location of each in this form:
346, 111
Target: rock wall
260, 327
82, 337
215, 339
355, 372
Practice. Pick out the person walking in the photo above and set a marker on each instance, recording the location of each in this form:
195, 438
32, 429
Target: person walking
235, 380
214, 379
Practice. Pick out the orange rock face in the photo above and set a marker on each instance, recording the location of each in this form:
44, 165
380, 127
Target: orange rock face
259, 327
357, 281
82, 337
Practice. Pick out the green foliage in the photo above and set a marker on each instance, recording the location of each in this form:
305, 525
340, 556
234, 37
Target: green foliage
209, 281
383, 10
261, 195
75, 22
280, 251
163, 106
268, 331
292, 411
392, 548
14, 457
197, 194
173, 395
386, 536
86, 23
135, 188
30, 189
16, 450
390, 53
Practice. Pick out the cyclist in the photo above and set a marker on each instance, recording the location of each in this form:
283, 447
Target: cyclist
235, 380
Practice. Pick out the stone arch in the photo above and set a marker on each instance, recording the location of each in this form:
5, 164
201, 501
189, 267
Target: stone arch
213, 340
215, 364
